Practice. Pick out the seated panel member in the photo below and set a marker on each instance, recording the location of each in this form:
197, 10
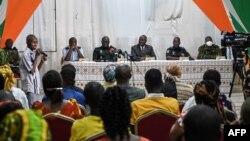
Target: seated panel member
208, 50
13, 57
175, 52
142, 50
72, 52
105, 52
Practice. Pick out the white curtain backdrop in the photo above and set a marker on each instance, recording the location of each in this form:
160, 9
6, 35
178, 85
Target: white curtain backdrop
55, 21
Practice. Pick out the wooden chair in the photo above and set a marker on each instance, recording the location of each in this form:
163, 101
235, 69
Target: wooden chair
60, 126
158, 119
98, 137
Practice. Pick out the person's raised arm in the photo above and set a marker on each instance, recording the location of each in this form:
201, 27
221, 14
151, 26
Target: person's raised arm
80, 52
69, 52
43, 59
38, 53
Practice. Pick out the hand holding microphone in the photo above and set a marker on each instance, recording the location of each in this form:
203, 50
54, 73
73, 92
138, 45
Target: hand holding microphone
39, 51
44, 54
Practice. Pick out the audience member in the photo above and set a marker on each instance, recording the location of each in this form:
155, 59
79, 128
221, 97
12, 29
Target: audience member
202, 123
13, 57
16, 92
208, 50
105, 52
245, 112
109, 76
122, 74
115, 112
29, 69
207, 93
91, 124
52, 86
23, 125
8, 79
68, 73
6, 96
175, 52
8, 106
216, 77
73, 72
72, 52
246, 87
142, 50
174, 87
155, 99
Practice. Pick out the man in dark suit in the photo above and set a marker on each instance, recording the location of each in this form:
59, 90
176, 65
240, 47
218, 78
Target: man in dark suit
142, 50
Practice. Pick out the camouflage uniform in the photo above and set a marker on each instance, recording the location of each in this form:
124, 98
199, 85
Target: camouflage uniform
206, 52
13, 59
3, 57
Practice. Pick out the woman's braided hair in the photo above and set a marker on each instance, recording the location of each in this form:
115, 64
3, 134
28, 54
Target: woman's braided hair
115, 112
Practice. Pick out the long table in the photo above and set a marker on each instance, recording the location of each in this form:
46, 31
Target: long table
192, 71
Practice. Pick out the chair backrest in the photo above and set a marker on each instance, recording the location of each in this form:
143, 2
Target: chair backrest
60, 126
98, 137
158, 119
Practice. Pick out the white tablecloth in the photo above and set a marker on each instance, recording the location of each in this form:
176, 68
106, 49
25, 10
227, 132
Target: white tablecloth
192, 71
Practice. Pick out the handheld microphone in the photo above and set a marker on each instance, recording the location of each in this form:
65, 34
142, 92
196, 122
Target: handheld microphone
44, 54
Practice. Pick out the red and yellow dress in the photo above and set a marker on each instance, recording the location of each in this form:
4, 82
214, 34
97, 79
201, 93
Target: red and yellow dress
71, 109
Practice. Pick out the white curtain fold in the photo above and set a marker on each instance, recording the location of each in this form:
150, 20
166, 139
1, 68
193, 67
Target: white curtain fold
55, 21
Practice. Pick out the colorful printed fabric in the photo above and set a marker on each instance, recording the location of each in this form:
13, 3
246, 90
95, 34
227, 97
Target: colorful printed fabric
23, 125
71, 109
8, 75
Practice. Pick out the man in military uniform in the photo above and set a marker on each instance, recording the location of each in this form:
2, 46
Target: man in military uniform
208, 50
72, 52
12, 57
175, 52
5, 70
105, 52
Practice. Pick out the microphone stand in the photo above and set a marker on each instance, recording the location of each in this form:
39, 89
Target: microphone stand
131, 66
133, 78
